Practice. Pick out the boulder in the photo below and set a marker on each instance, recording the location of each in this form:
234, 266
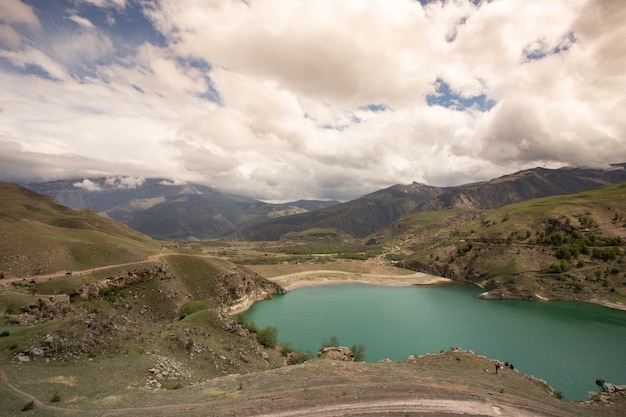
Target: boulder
339, 353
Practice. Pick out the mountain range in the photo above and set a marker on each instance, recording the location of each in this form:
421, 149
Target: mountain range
164, 209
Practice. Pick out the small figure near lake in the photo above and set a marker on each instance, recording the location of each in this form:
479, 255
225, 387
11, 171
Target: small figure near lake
497, 365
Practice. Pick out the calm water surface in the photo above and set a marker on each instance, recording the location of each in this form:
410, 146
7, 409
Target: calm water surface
567, 344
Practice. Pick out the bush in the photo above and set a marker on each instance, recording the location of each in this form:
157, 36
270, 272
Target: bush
330, 343
358, 351
607, 253
55, 398
268, 336
297, 357
5, 333
562, 266
28, 406
465, 248
286, 349
192, 307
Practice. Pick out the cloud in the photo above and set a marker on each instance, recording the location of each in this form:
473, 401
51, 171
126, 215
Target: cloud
16, 12
120, 4
310, 99
81, 21
87, 185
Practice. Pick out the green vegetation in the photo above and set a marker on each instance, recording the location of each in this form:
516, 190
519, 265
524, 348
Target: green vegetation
28, 406
56, 238
551, 246
268, 336
466, 247
358, 351
332, 342
192, 307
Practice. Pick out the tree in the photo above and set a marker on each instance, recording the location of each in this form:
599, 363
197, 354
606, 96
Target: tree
330, 343
358, 351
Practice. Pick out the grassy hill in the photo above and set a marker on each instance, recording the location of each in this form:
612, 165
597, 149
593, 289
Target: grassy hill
369, 214
566, 247
153, 337
39, 236
146, 316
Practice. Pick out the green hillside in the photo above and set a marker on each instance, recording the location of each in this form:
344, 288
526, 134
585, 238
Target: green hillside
39, 236
566, 247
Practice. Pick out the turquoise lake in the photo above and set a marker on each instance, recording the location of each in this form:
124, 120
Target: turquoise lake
567, 344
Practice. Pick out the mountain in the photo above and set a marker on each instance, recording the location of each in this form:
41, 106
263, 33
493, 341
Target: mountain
568, 247
164, 209
368, 214
39, 236
358, 218
525, 185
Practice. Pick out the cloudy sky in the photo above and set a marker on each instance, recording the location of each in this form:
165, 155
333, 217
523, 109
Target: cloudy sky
329, 99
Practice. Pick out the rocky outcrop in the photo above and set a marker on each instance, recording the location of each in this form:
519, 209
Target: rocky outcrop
47, 308
337, 353
93, 290
238, 289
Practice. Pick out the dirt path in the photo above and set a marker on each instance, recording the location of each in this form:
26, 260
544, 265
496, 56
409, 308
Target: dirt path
420, 406
60, 274
320, 409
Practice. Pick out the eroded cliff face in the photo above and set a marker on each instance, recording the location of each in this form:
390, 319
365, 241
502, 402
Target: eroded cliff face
238, 289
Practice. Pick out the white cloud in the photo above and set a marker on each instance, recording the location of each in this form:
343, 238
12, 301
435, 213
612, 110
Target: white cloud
81, 21
120, 4
38, 58
16, 12
87, 185
317, 98
9, 36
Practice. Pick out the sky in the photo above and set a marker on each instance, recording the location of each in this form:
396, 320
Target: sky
320, 99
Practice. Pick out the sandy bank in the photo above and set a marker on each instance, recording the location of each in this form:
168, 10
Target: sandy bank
324, 277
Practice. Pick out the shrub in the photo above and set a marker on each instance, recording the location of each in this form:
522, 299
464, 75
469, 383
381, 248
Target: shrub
268, 336
243, 320
56, 397
28, 406
5, 333
607, 253
191, 307
562, 266
297, 357
330, 343
465, 248
285, 348
358, 351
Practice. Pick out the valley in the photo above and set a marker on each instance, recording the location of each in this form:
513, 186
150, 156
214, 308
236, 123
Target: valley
149, 326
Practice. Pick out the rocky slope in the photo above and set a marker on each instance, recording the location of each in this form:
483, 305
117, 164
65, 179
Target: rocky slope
568, 247
369, 214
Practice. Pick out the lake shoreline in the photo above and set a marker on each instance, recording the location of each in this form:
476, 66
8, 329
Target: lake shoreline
313, 278
325, 277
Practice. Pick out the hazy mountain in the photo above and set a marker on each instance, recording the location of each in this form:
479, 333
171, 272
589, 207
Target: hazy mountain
164, 209
358, 218
368, 214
